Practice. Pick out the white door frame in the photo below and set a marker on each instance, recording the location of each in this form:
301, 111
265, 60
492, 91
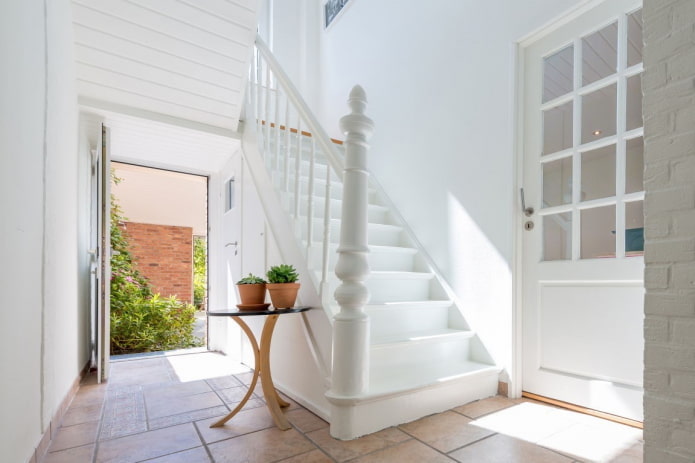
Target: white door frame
515, 385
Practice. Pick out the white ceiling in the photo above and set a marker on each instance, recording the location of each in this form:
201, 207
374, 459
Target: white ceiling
157, 144
176, 60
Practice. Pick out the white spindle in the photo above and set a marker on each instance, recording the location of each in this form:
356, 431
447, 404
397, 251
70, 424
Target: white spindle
288, 146
298, 168
276, 123
326, 234
310, 201
267, 111
350, 374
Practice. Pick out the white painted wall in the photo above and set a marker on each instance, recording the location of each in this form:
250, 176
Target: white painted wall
43, 326
440, 82
162, 197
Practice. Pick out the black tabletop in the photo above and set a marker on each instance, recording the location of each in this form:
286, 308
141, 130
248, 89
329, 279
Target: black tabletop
248, 313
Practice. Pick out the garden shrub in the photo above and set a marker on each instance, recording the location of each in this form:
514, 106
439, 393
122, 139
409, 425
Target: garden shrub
200, 281
140, 320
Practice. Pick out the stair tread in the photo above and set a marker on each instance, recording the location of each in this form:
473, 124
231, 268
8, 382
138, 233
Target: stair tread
410, 304
385, 275
421, 336
388, 379
372, 248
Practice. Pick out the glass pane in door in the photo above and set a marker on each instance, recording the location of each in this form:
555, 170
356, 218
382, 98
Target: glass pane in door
634, 102
558, 70
598, 232
634, 38
634, 228
598, 114
557, 128
598, 173
600, 54
557, 182
557, 236
634, 165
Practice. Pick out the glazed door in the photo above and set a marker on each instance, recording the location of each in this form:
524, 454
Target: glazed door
583, 242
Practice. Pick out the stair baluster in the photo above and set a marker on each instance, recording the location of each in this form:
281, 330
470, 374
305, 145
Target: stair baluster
350, 373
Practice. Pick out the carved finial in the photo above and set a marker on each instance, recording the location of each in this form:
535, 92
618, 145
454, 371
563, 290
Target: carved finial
357, 100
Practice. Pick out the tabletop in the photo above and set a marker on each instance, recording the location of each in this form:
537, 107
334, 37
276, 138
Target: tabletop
248, 313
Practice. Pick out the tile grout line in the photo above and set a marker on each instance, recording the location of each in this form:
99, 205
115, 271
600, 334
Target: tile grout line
200, 436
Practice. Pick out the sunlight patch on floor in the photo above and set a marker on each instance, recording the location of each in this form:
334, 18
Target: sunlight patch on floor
577, 435
202, 366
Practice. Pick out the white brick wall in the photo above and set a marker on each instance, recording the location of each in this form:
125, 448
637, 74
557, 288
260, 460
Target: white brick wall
669, 330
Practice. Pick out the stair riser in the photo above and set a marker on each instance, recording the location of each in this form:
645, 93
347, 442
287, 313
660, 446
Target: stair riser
390, 322
376, 235
375, 215
304, 167
396, 290
391, 261
414, 353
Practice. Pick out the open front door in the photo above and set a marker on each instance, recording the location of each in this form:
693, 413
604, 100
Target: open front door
101, 279
583, 240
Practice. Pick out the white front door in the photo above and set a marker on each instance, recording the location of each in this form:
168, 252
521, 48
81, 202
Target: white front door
582, 280
103, 255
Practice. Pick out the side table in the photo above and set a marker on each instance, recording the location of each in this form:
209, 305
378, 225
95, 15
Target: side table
261, 355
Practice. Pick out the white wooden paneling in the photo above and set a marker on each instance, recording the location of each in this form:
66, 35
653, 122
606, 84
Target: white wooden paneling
181, 58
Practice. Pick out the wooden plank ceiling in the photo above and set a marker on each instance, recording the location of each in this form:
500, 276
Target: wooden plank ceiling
184, 59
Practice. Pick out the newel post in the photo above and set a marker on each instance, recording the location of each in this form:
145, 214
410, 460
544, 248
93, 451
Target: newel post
350, 372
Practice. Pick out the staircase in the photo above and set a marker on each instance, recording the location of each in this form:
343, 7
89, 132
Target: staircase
423, 357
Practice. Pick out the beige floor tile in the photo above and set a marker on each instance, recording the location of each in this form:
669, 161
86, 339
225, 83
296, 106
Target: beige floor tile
304, 420
504, 449
634, 454
445, 431
196, 455
74, 455
175, 390
82, 414
224, 382
410, 451
315, 456
244, 422
165, 406
483, 407
599, 441
74, 436
260, 447
89, 395
148, 444
347, 450
188, 417
233, 394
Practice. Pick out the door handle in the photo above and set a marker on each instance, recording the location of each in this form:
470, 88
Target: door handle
236, 246
528, 211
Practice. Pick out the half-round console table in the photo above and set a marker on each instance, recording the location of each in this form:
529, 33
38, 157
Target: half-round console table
261, 355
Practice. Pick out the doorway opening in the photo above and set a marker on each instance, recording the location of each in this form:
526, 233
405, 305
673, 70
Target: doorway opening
159, 282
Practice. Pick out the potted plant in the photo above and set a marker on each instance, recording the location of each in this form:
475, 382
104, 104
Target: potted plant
282, 285
251, 290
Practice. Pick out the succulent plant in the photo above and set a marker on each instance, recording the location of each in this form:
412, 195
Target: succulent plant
251, 280
282, 273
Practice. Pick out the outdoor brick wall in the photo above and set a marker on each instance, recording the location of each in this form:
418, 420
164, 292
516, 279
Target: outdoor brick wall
164, 254
669, 329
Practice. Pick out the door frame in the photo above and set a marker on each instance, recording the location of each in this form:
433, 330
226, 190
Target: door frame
516, 379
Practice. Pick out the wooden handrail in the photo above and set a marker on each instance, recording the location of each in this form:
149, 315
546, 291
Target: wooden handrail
304, 132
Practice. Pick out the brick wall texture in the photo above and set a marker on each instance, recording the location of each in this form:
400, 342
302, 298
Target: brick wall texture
669, 329
164, 255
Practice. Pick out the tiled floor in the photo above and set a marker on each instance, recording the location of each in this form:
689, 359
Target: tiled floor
159, 410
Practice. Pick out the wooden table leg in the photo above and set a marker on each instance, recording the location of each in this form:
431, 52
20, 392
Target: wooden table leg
272, 398
256, 372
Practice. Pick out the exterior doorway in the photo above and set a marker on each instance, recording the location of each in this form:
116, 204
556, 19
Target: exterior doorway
163, 220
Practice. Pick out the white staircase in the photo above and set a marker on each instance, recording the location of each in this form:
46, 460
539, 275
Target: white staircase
423, 357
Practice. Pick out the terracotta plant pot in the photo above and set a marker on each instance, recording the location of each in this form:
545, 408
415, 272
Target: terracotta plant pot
252, 294
283, 295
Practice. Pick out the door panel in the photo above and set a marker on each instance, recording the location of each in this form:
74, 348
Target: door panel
582, 274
